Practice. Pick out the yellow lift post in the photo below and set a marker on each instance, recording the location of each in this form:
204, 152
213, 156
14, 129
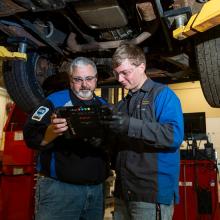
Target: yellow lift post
207, 18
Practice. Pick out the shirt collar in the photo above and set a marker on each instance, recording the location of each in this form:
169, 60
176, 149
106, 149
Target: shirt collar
146, 87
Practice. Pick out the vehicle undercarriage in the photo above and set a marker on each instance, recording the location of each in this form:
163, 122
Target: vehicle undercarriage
52, 32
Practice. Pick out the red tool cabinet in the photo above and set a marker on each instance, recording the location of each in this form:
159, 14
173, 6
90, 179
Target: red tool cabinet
17, 173
198, 188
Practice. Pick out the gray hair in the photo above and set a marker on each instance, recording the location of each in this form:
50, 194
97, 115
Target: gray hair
81, 61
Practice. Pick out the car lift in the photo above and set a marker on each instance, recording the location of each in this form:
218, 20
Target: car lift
22, 43
207, 18
5, 54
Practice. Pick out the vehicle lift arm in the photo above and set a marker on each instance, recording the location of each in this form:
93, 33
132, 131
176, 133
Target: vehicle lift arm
207, 18
5, 54
22, 43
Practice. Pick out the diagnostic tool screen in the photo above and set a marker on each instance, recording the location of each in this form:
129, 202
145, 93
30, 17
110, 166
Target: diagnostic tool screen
85, 121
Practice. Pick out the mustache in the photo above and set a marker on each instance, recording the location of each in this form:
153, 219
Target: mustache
85, 89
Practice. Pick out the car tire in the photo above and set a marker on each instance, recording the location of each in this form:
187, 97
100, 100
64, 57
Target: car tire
208, 63
21, 82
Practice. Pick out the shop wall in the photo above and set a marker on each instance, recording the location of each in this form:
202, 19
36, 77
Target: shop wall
192, 100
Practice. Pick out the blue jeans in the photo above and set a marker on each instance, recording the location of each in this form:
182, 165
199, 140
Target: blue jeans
140, 211
57, 200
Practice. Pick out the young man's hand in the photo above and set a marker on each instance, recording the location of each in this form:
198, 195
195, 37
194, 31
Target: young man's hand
118, 123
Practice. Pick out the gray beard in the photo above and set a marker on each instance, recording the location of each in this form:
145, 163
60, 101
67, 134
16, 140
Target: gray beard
85, 94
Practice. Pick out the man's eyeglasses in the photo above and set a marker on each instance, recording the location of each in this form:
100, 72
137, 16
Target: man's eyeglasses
124, 73
80, 80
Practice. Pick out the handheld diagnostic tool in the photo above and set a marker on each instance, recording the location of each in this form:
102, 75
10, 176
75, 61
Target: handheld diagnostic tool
84, 121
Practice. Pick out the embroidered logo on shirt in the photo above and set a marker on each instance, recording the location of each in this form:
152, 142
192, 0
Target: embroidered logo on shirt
40, 112
69, 103
145, 102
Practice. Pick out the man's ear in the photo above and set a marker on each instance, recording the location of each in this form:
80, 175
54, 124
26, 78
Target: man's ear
142, 66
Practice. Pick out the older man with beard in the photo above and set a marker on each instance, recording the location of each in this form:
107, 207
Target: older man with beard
71, 171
